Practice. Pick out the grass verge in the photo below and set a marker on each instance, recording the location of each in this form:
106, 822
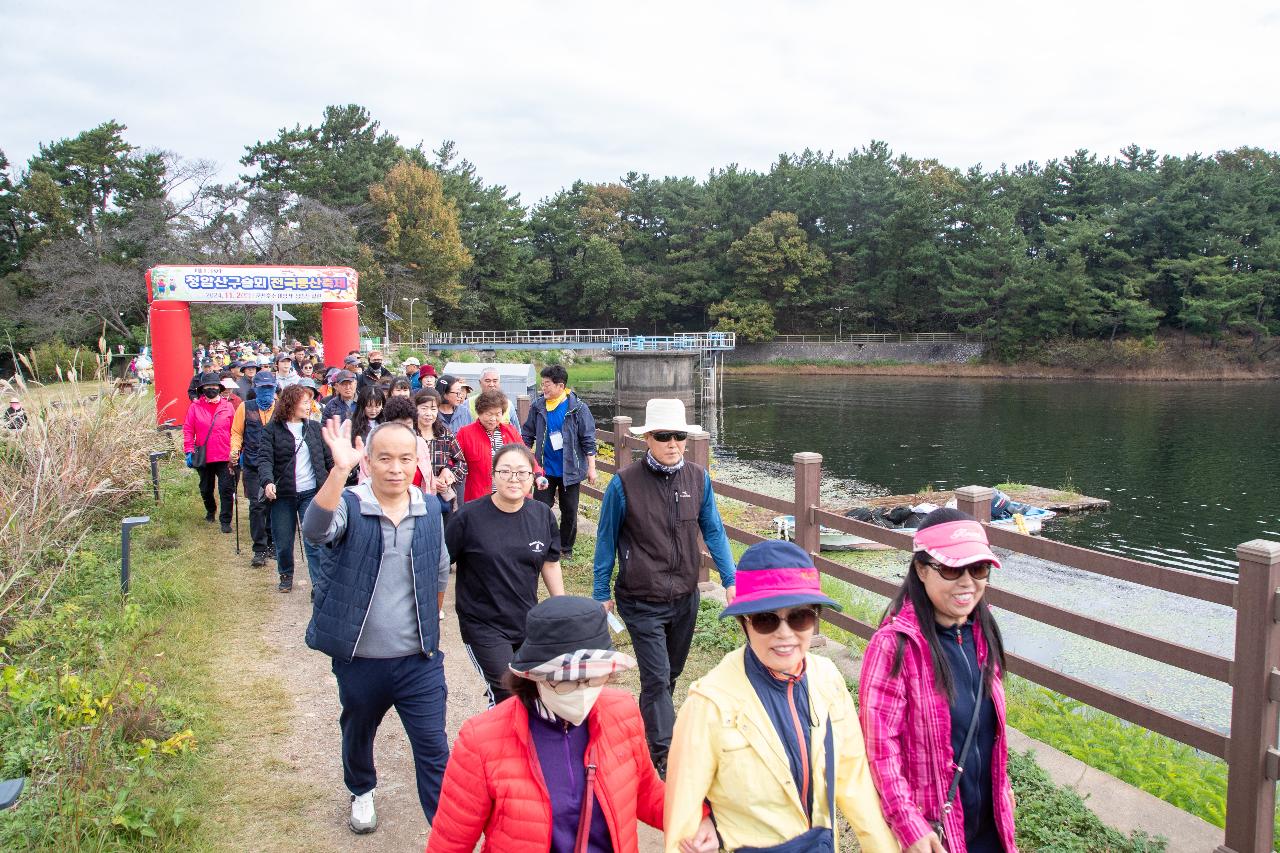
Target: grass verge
103, 704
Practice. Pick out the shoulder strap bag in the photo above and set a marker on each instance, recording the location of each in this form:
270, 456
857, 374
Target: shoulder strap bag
937, 825
818, 839
584, 819
199, 452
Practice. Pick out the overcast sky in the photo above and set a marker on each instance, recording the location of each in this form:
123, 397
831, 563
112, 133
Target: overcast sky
541, 94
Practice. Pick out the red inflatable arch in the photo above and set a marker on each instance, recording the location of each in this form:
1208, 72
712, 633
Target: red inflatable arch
171, 290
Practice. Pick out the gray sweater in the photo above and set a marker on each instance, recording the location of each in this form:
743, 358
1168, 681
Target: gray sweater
391, 625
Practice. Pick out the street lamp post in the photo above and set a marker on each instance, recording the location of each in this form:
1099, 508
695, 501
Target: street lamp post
839, 320
410, 301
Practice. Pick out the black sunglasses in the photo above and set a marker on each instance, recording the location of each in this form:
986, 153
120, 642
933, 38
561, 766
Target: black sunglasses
798, 620
979, 571
667, 436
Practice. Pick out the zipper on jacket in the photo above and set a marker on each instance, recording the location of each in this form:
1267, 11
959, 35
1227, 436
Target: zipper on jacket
675, 538
417, 612
568, 756
365, 618
974, 750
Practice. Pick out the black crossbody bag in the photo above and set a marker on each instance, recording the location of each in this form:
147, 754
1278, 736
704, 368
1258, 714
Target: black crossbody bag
936, 825
199, 452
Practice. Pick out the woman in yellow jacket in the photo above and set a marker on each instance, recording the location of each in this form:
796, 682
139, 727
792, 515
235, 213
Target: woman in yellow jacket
761, 734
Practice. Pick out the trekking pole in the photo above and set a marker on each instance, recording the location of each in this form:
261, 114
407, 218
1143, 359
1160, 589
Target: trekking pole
235, 510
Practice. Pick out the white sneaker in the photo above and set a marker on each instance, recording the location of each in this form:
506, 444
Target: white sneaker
363, 817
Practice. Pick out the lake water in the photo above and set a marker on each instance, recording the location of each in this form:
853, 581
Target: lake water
1191, 469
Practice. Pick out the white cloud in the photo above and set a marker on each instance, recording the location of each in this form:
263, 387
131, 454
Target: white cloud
538, 95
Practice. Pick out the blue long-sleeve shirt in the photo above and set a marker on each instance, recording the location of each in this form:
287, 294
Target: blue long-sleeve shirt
614, 508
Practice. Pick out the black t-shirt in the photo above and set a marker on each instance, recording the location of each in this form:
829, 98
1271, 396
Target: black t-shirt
500, 557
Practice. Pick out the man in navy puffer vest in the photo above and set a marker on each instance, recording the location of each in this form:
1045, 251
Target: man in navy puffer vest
383, 572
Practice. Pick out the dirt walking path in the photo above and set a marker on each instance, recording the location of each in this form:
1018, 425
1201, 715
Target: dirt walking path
281, 744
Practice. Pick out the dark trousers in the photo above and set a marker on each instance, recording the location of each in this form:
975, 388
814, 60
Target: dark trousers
414, 686
491, 660
661, 633
259, 528
568, 497
286, 517
212, 472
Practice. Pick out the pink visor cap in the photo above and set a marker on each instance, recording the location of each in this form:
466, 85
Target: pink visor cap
955, 544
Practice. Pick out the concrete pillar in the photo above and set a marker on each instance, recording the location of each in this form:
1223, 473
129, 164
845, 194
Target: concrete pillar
643, 376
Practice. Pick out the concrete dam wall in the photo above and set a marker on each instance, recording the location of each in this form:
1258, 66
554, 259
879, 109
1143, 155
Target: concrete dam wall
950, 352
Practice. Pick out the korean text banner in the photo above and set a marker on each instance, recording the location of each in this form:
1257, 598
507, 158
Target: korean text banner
250, 284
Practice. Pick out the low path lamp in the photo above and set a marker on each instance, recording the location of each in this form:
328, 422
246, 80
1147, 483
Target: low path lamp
155, 471
126, 527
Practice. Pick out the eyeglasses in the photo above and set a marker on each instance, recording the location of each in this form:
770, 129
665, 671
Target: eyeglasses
668, 436
798, 620
563, 687
508, 474
979, 571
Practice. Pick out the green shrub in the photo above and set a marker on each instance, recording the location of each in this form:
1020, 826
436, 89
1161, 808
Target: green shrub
712, 633
54, 360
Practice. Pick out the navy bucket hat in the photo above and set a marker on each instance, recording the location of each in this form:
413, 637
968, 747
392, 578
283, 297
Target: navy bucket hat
775, 574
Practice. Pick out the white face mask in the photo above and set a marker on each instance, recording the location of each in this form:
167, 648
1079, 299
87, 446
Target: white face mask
571, 707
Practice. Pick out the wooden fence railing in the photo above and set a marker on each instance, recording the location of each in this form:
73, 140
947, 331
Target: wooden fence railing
1253, 672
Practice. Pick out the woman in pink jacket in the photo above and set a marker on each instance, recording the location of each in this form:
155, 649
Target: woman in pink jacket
208, 426
932, 699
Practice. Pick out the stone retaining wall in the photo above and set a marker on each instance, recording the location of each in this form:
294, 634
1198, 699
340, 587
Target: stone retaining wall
910, 353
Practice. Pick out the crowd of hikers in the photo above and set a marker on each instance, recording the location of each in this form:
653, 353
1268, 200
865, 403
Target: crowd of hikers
400, 481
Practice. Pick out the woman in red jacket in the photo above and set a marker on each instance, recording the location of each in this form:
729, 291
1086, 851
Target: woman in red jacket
481, 440
561, 766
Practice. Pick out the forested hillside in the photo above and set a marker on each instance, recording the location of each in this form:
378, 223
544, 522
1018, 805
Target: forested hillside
1090, 245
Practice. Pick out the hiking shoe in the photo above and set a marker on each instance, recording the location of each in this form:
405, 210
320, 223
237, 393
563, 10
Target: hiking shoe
259, 559
208, 517
363, 817
286, 585
226, 527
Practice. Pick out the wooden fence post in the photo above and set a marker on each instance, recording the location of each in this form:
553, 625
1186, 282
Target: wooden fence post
698, 450
976, 500
1253, 763
622, 429
808, 480
523, 403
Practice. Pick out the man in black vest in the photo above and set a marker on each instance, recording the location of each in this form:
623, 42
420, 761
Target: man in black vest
650, 520
383, 572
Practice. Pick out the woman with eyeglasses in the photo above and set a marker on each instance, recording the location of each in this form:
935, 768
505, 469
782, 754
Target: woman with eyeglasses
480, 442
562, 766
502, 542
770, 738
454, 411
932, 698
